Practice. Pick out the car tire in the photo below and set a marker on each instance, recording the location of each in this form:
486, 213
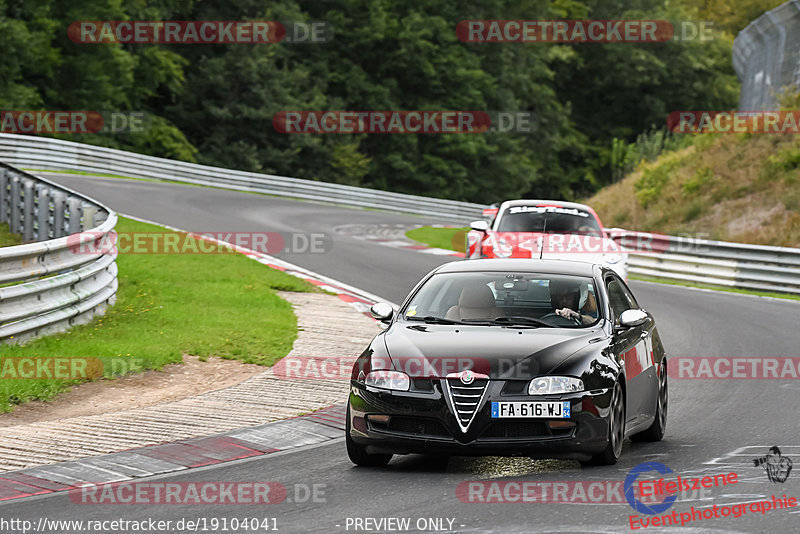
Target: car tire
358, 453
616, 431
656, 430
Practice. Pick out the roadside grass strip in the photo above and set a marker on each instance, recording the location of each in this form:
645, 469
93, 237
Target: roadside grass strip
440, 237
7, 239
711, 287
222, 304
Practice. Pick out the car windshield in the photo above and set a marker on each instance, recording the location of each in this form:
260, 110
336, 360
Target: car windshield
559, 220
506, 299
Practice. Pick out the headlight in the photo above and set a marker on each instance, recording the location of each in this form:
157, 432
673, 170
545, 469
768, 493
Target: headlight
388, 380
612, 258
548, 385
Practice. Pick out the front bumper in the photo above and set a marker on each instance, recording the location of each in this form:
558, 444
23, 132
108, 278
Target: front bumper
421, 421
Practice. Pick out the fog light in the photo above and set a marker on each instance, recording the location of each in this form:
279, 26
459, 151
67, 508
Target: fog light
381, 419
359, 424
557, 425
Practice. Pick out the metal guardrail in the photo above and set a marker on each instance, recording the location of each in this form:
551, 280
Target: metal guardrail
738, 265
58, 280
45, 153
765, 57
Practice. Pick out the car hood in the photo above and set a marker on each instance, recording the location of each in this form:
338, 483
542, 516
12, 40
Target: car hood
423, 350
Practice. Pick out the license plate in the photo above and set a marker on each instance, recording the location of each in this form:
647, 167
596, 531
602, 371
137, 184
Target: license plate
517, 410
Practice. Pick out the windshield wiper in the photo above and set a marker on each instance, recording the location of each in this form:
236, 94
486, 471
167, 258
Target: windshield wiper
519, 319
507, 321
430, 319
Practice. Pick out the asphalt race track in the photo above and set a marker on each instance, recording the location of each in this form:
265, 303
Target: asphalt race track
709, 425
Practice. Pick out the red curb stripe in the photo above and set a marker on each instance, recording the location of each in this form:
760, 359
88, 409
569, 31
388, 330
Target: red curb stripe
179, 453
36, 482
212, 447
173, 452
350, 298
11, 489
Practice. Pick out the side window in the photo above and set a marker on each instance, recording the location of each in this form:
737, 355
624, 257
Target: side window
629, 296
619, 298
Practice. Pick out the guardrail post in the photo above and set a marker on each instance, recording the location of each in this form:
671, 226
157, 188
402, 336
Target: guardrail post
59, 199
89, 213
27, 211
74, 213
42, 213
4, 195
14, 207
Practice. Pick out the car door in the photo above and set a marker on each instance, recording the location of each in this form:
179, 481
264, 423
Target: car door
649, 393
631, 347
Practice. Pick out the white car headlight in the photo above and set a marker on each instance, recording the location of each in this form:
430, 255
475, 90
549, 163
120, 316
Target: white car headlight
388, 380
548, 385
612, 258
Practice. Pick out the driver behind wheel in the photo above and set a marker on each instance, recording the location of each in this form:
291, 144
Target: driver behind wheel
565, 297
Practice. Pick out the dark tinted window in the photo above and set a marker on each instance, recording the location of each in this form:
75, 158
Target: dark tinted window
559, 220
619, 298
489, 295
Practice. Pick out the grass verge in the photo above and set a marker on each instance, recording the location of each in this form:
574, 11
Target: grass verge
168, 304
713, 287
7, 239
99, 174
743, 188
446, 238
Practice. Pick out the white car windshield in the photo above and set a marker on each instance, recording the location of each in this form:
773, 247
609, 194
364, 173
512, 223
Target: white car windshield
558, 220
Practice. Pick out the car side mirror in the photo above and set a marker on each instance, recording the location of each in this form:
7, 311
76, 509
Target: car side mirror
631, 318
480, 226
382, 311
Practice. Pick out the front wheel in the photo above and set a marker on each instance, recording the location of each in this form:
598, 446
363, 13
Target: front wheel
616, 430
358, 453
656, 431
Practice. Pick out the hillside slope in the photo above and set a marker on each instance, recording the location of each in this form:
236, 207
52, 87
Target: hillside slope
741, 188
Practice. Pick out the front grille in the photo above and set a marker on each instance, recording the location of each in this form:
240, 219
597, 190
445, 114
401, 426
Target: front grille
516, 429
523, 429
412, 425
465, 399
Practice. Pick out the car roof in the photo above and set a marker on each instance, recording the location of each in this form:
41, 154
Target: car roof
534, 202
570, 267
